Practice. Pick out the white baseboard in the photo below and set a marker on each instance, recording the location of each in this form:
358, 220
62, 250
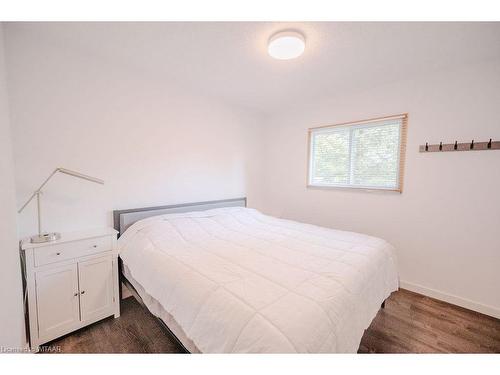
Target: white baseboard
450, 298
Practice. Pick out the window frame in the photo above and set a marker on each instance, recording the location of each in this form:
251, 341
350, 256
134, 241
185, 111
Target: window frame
401, 155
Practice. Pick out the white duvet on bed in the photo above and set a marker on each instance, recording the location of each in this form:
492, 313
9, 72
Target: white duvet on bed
236, 280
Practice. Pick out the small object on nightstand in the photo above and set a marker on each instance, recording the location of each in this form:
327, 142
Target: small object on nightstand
70, 283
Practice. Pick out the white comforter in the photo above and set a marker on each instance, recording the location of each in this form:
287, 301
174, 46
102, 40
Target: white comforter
236, 280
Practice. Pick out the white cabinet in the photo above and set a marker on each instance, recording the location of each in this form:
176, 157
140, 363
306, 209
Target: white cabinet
70, 283
58, 308
96, 288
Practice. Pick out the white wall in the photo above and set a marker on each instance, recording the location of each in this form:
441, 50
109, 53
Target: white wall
151, 143
445, 224
11, 312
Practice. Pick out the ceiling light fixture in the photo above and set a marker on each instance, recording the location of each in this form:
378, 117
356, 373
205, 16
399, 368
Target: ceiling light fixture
286, 45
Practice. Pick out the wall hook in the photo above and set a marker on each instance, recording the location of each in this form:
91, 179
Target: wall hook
456, 146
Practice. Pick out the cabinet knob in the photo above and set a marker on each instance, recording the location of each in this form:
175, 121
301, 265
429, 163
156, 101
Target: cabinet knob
76, 295
94, 246
82, 292
58, 253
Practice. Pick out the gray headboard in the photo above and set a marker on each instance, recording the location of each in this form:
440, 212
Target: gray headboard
122, 219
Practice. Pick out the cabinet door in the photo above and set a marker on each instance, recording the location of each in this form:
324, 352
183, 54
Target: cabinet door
96, 288
57, 301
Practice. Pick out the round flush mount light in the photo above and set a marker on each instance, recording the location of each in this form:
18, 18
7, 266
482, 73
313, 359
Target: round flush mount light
286, 45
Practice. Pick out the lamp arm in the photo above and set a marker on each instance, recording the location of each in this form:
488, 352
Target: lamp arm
52, 236
65, 171
80, 175
37, 191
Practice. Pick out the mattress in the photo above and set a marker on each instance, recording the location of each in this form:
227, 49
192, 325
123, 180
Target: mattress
237, 281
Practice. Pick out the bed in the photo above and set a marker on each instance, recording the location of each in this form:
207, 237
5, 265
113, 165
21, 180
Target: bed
224, 278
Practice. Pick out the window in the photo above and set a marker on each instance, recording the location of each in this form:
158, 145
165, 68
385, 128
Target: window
365, 154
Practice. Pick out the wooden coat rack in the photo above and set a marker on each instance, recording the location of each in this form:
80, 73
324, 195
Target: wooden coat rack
469, 146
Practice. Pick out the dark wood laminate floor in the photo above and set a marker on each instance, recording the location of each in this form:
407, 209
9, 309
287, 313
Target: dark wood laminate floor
410, 323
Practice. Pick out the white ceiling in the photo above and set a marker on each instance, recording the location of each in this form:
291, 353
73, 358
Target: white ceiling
229, 60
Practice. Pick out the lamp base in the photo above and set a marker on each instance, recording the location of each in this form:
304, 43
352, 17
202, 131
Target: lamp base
45, 237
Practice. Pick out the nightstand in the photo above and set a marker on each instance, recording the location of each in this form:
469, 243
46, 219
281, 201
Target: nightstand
70, 283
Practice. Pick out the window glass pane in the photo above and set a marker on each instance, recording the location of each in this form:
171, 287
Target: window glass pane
364, 154
330, 158
375, 155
